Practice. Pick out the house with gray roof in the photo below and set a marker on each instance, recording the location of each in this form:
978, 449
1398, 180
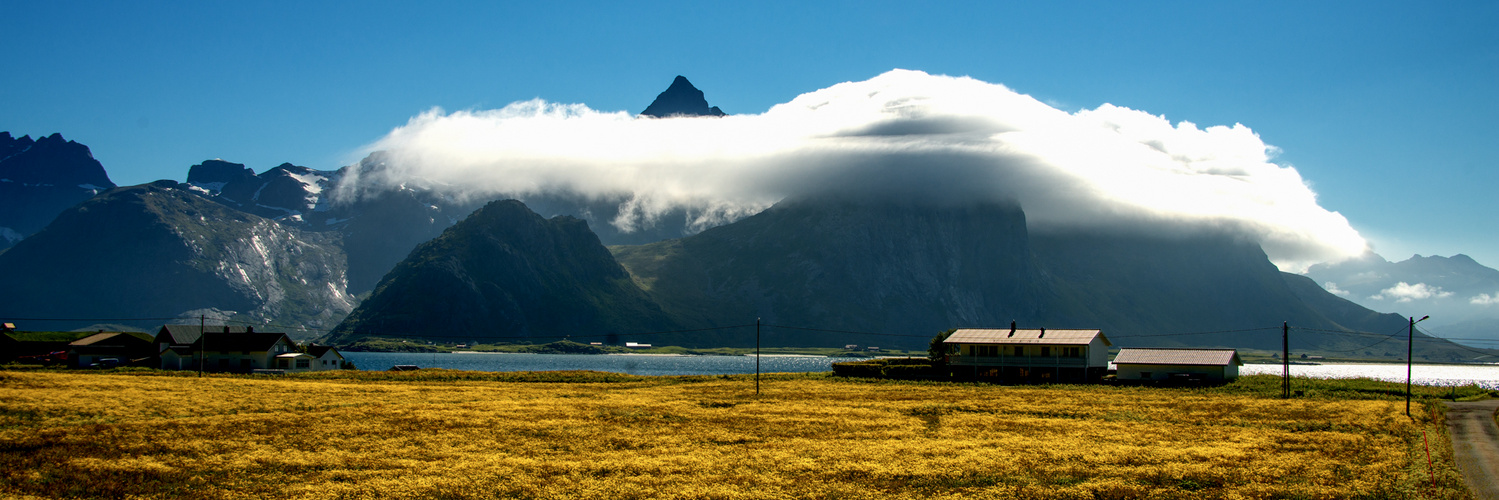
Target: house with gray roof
1177, 365
1028, 355
223, 348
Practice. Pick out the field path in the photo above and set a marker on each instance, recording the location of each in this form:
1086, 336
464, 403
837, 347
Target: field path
1475, 445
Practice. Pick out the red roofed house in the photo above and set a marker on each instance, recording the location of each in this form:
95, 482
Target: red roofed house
1178, 365
1040, 355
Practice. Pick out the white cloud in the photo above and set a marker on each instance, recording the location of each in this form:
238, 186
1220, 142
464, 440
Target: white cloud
1332, 288
1405, 292
1484, 299
934, 137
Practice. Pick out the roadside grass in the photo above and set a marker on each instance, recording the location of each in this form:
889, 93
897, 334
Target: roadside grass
457, 434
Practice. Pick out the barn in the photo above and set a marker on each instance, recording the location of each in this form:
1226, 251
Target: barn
1177, 365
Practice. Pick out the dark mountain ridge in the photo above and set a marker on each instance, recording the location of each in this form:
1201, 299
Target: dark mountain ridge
40, 178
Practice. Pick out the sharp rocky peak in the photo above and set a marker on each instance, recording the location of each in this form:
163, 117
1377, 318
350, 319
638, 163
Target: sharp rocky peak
681, 99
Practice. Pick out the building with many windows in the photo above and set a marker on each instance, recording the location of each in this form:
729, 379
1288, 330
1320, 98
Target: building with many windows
1016, 355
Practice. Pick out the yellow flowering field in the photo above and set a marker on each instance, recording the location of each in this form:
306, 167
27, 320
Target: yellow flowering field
154, 435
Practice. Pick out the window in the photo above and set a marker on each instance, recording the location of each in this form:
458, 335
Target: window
1144, 374
1045, 350
303, 363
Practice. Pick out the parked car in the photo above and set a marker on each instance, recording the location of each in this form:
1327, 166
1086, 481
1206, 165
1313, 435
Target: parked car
106, 363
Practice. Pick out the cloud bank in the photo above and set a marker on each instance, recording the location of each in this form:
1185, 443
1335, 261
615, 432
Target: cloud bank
934, 137
1406, 292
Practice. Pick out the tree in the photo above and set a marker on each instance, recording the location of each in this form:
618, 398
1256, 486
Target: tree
937, 350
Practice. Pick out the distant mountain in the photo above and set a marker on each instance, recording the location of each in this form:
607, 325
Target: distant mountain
681, 99
287, 192
506, 272
378, 227
1460, 295
41, 178
160, 251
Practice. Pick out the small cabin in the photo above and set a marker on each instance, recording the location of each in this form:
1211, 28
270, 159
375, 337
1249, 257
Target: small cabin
1028, 355
1177, 365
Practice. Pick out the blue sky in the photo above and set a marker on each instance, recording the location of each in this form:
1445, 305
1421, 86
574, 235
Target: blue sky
1387, 108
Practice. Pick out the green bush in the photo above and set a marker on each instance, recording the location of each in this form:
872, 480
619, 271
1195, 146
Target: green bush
908, 371
861, 369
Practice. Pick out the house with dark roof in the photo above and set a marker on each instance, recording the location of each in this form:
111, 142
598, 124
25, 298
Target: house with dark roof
125, 348
223, 349
186, 335
1028, 355
1177, 365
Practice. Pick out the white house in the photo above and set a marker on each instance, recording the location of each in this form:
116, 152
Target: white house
1177, 365
325, 357
1040, 355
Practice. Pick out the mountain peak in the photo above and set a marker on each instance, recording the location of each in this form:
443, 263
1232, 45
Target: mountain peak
681, 99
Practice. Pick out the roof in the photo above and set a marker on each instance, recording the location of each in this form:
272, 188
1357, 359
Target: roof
320, 350
52, 337
1038, 336
1205, 357
244, 341
110, 338
187, 334
180, 350
291, 355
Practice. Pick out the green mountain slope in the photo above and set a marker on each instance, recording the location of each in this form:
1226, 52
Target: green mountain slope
506, 273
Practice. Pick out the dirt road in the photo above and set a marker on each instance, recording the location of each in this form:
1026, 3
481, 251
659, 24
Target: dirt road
1475, 445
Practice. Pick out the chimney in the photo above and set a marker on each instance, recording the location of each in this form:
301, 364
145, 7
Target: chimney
1012, 328
226, 328
249, 329
1043, 333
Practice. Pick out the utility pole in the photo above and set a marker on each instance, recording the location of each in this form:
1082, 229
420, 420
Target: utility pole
202, 343
1410, 342
1285, 359
757, 356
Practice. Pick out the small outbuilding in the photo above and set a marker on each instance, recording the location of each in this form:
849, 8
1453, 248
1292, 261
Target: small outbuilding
122, 347
1177, 365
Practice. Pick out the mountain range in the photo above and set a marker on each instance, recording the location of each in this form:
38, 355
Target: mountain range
305, 250
837, 270
1460, 295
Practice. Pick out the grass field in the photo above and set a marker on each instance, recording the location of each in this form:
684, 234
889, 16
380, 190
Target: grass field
445, 434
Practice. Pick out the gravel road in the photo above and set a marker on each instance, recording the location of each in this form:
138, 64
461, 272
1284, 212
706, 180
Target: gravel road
1475, 445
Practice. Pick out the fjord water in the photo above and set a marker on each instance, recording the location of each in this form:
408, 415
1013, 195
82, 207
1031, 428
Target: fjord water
1486, 375
636, 364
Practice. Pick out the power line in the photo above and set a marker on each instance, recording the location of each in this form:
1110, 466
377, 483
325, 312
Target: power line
1183, 334
852, 332
95, 319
